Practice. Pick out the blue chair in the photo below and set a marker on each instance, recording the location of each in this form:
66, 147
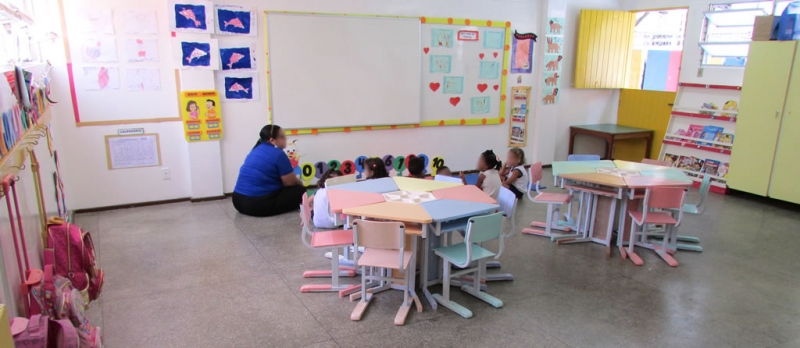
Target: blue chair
583, 158
479, 229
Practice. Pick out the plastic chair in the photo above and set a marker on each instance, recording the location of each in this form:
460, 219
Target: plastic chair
339, 220
508, 206
446, 178
331, 240
665, 198
583, 158
384, 249
656, 162
554, 202
695, 209
480, 229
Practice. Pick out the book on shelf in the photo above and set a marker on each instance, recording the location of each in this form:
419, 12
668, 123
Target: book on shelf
685, 162
711, 167
671, 158
697, 165
695, 131
722, 171
726, 138
711, 133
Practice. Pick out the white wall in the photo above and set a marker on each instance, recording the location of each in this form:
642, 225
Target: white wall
90, 184
692, 54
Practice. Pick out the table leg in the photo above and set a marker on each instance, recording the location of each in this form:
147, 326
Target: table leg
426, 262
609, 147
571, 140
649, 147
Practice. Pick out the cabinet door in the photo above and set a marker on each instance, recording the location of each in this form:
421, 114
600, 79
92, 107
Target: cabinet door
605, 42
766, 80
785, 184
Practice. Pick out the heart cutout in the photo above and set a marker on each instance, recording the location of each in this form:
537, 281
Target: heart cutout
455, 100
495, 54
482, 87
481, 55
434, 86
426, 49
496, 87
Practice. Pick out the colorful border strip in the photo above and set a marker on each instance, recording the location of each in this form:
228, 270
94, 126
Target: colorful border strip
431, 123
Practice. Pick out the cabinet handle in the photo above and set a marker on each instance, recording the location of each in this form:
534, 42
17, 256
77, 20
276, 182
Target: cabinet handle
777, 113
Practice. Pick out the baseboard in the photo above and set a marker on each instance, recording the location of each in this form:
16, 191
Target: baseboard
131, 205
206, 199
764, 200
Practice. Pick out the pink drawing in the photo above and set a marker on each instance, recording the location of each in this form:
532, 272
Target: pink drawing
236, 23
238, 88
235, 58
102, 78
189, 14
94, 52
142, 51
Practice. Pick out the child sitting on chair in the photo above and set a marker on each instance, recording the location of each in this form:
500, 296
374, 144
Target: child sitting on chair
489, 179
416, 168
374, 169
320, 215
514, 175
444, 170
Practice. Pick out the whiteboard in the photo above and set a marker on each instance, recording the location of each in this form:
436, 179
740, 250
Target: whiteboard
462, 74
328, 71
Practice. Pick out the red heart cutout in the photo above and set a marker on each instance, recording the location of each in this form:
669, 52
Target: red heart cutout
426, 50
434, 86
495, 87
455, 100
481, 55
482, 87
495, 54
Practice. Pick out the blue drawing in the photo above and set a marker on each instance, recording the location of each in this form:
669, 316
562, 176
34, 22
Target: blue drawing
440, 64
236, 58
453, 85
234, 22
493, 39
480, 105
189, 16
441, 37
196, 54
489, 70
239, 88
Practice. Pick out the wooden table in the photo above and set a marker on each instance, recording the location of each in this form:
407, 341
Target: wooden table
611, 132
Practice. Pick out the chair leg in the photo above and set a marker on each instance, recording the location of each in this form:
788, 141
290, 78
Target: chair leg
358, 312
402, 313
631, 243
663, 251
475, 289
444, 298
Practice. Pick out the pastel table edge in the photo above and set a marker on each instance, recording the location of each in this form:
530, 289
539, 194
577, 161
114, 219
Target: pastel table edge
381, 185
394, 207
333, 192
414, 184
635, 182
597, 178
482, 197
578, 167
432, 207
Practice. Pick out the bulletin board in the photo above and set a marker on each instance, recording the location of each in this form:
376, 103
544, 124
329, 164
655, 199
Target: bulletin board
132, 151
119, 62
479, 101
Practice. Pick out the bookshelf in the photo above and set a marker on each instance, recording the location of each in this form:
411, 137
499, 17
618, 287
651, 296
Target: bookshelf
520, 107
701, 132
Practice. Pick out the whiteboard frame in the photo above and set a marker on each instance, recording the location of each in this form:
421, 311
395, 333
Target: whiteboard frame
108, 150
500, 119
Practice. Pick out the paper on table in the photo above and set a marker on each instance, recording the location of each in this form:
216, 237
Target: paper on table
141, 22
99, 50
100, 78
133, 151
141, 50
96, 21
238, 87
143, 79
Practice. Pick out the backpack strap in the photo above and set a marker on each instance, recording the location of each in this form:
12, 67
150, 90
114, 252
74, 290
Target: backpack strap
55, 220
64, 334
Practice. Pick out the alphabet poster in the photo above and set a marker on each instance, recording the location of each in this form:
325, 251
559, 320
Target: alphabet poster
202, 115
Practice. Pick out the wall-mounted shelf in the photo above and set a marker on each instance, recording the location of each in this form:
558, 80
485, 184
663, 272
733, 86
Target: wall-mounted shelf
520, 107
705, 116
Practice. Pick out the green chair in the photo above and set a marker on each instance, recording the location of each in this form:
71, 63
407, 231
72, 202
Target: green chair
480, 229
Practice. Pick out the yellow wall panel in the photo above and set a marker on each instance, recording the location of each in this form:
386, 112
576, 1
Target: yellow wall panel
643, 109
605, 41
784, 185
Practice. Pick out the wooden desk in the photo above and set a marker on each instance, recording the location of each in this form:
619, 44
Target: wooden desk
611, 132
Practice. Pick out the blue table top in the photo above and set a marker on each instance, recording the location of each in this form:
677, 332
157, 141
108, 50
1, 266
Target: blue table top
448, 209
381, 185
579, 167
667, 173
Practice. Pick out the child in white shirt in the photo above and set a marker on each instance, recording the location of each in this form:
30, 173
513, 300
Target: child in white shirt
515, 177
489, 178
321, 215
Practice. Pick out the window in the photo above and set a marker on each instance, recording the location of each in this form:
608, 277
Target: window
657, 49
727, 30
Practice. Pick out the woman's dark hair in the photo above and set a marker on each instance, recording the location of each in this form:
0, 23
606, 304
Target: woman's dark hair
491, 159
416, 166
375, 165
328, 173
189, 104
519, 153
269, 131
212, 102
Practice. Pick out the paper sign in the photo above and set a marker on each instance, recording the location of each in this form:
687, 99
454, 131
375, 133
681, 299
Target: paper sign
202, 115
468, 35
132, 151
130, 131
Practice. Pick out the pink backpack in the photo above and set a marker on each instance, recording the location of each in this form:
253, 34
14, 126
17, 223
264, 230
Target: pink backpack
35, 332
71, 252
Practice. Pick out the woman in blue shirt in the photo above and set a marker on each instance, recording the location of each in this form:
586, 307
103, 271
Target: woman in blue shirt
267, 185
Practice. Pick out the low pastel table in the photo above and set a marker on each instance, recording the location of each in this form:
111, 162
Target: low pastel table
611, 132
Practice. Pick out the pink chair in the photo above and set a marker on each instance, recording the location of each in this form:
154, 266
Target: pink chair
554, 202
663, 198
656, 162
331, 240
384, 250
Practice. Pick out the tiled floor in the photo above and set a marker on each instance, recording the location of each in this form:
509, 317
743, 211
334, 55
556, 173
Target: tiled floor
202, 275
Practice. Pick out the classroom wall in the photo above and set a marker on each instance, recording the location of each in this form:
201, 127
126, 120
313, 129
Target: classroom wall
90, 184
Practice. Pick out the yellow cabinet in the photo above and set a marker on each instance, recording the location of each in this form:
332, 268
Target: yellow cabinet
605, 42
785, 184
766, 78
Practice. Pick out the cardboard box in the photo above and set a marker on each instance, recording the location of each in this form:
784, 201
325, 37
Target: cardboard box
763, 27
